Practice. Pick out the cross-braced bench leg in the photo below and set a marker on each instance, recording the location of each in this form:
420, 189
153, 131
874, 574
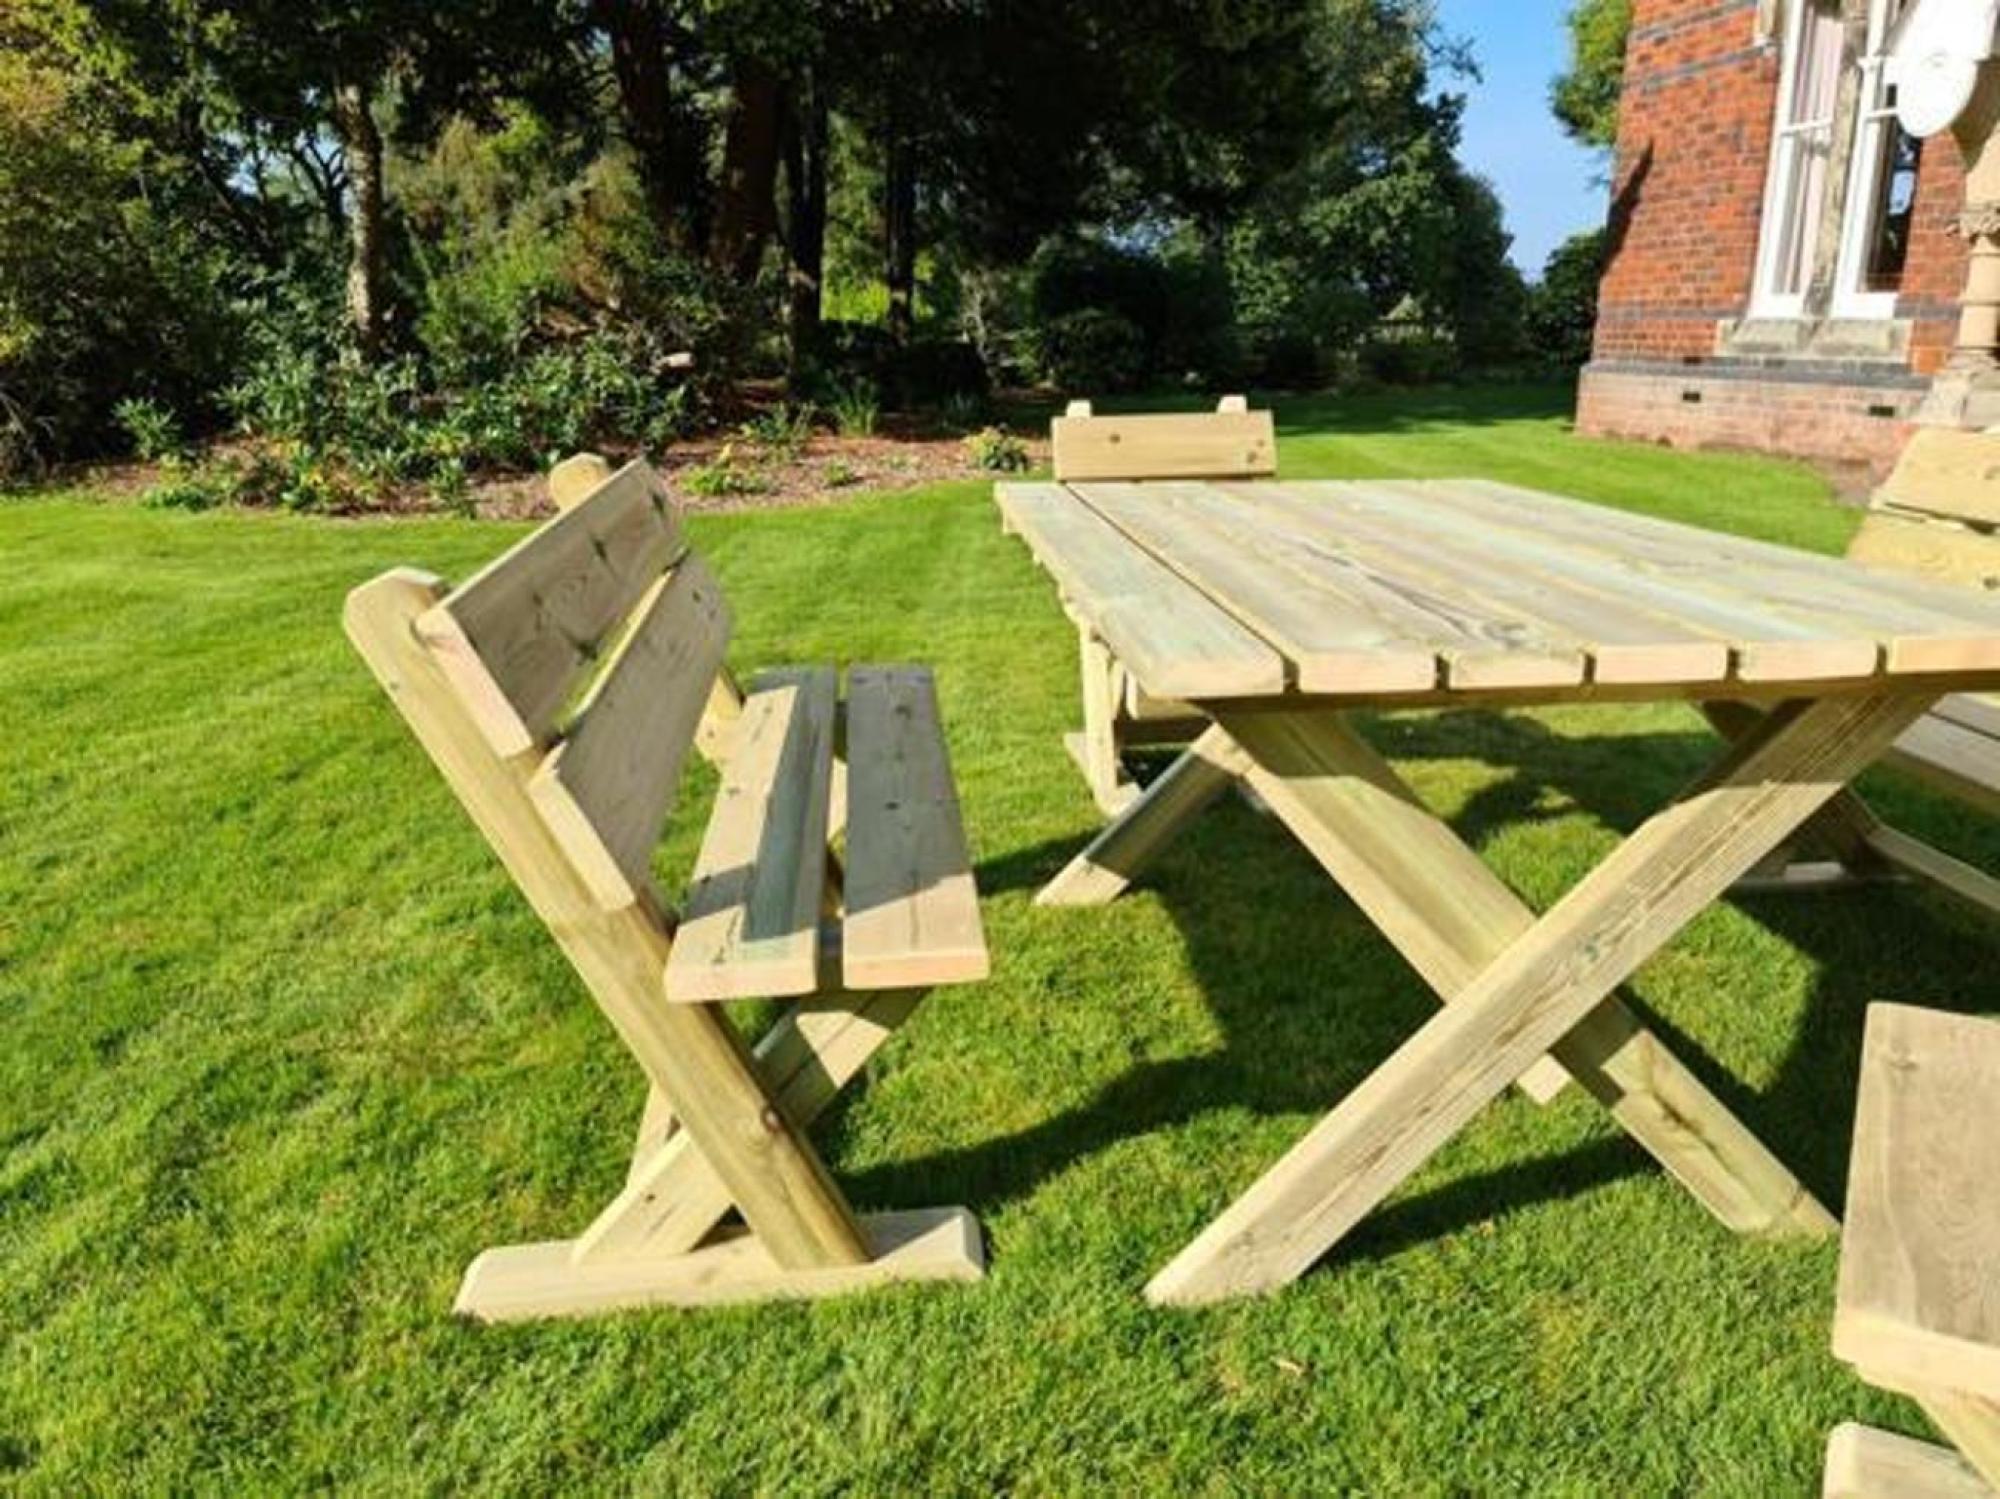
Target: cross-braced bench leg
1530, 998
1861, 847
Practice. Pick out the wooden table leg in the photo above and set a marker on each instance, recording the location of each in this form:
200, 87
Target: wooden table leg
1451, 917
1096, 750
1540, 989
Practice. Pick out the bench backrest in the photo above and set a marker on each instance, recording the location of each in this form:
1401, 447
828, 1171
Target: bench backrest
1232, 442
584, 657
1938, 515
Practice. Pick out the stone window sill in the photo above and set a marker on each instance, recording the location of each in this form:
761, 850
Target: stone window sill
1849, 340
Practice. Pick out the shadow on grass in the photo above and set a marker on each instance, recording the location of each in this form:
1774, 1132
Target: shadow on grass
1311, 999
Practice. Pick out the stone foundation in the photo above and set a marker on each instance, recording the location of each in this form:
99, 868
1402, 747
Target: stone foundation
1852, 417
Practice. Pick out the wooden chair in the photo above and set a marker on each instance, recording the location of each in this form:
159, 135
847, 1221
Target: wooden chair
1919, 1308
1233, 442
559, 690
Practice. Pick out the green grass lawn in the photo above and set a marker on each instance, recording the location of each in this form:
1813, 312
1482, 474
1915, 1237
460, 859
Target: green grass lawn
281, 1050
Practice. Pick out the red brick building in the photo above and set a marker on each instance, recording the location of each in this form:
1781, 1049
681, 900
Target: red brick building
1784, 270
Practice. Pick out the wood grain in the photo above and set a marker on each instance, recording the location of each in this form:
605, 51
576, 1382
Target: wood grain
750, 925
1920, 1260
912, 912
609, 785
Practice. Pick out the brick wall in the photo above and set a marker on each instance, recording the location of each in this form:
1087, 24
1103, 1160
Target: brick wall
1853, 423
1694, 133
1688, 189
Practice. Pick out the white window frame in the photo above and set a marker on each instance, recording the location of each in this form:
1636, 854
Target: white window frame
1787, 136
1866, 179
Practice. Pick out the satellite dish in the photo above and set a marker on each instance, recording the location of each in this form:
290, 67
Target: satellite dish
1935, 52
1933, 90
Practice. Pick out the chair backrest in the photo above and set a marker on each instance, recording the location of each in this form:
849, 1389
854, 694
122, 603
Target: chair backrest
1938, 514
584, 657
1232, 442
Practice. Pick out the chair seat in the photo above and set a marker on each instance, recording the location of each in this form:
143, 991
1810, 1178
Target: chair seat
762, 919
1919, 1305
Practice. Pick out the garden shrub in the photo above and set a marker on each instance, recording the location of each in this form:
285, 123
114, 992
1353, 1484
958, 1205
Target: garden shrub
995, 450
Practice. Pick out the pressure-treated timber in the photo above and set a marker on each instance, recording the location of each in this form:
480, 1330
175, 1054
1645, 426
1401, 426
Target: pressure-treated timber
1232, 441
1947, 473
544, 1280
517, 636
673, 1198
721, 1129
1863, 1463
617, 767
692, 1055
1540, 989
1172, 638
1452, 917
911, 913
1920, 1262
750, 923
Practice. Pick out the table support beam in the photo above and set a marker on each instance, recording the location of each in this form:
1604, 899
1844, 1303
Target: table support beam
1529, 999
1452, 917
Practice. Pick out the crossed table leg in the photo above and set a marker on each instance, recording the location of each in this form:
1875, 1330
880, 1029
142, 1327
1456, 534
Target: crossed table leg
1517, 989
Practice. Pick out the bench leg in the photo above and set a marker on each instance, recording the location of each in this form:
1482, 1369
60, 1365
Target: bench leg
1528, 1001
1864, 849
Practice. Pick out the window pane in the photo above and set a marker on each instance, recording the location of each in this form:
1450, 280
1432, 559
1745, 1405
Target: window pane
1800, 154
1894, 208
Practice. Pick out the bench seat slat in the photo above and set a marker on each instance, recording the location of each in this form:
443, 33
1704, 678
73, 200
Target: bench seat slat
621, 762
750, 926
540, 616
1963, 762
912, 911
1919, 1302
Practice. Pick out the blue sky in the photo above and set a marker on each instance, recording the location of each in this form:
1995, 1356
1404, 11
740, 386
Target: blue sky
1545, 181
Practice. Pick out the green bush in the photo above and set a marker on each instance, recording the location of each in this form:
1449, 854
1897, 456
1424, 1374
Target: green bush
994, 450
856, 406
154, 431
1092, 350
106, 291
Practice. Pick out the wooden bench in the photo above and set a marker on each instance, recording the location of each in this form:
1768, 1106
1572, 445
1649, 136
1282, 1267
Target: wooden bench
1232, 442
1919, 1301
1937, 518
559, 691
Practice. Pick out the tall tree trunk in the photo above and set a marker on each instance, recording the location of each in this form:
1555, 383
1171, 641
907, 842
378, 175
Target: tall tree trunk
668, 161
361, 145
805, 220
746, 207
899, 237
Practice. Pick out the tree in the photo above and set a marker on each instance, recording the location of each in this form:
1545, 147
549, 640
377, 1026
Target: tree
1585, 98
241, 83
1562, 308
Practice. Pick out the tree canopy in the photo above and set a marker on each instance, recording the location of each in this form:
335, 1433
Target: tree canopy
1585, 97
526, 214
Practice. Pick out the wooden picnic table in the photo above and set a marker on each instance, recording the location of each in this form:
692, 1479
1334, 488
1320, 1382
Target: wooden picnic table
1277, 609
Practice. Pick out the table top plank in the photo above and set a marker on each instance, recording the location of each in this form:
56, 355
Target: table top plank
1623, 641
1176, 641
1337, 641
1922, 628
1365, 589
1777, 633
